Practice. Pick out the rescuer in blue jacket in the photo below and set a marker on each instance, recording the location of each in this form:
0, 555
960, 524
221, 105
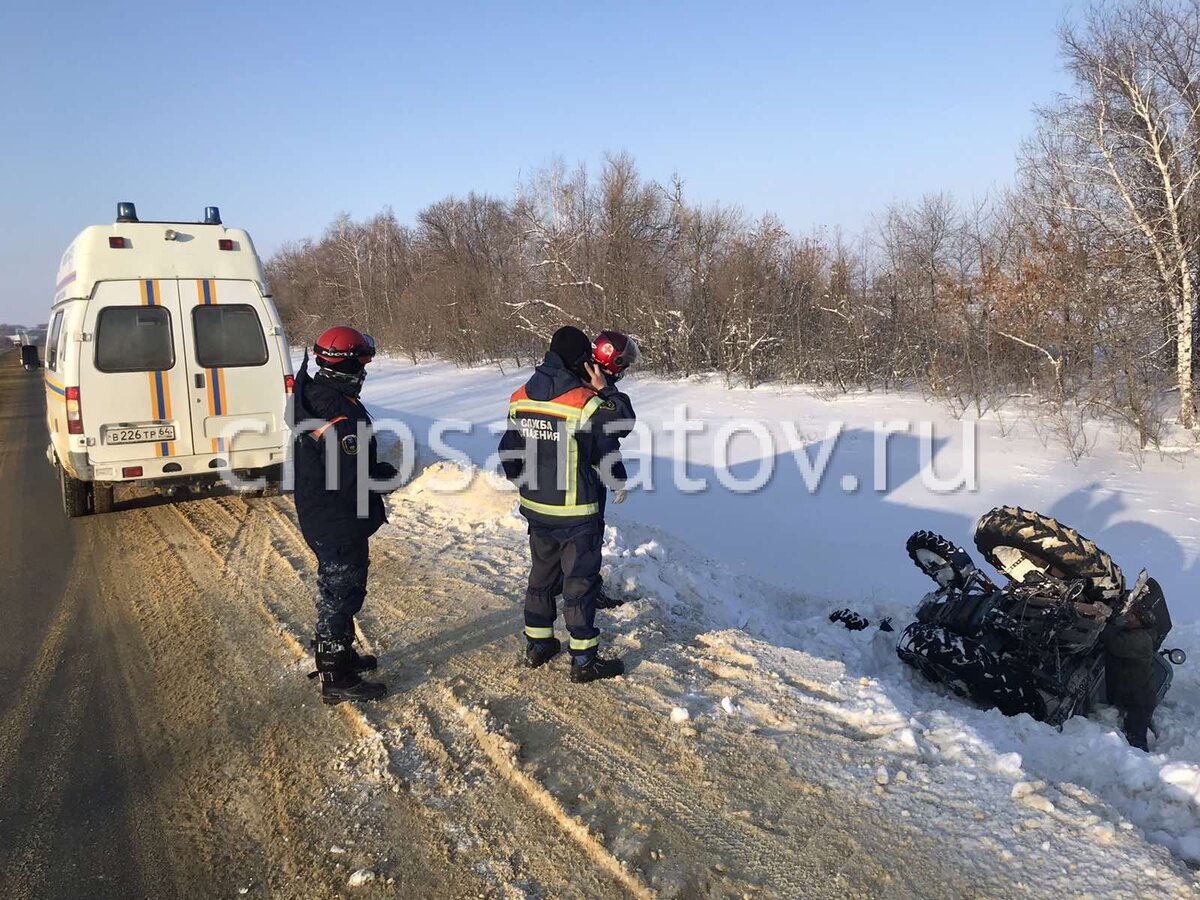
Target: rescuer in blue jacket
562, 449
337, 508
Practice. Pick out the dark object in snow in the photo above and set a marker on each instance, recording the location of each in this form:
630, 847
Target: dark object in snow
849, 618
1042, 643
885, 624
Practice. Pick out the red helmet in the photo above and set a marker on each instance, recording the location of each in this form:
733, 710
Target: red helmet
343, 342
615, 352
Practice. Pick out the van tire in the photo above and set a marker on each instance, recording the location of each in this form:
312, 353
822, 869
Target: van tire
102, 497
76, 495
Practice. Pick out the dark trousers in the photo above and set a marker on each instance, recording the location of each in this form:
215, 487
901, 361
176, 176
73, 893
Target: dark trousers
566, 560
1129, 670
341, 585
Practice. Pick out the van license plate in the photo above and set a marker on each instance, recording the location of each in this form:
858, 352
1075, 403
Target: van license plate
143, 434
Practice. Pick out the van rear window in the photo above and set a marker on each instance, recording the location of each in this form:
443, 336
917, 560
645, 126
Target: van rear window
134, 339
229, 336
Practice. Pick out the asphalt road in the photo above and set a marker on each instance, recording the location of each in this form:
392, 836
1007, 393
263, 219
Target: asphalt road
71, 763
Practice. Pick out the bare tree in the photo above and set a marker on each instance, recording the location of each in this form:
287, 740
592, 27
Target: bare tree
1131, 138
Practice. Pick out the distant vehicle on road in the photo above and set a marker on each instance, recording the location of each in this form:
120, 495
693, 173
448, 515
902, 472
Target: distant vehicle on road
166, 362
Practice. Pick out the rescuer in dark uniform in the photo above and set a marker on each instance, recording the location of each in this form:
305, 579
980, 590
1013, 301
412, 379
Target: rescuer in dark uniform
337, 509
562, 448
1130, 642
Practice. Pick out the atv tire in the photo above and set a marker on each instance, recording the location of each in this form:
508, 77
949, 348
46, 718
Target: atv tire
1017, 541
969, 669
946, 563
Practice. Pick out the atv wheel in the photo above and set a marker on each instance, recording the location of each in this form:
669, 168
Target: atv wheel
1019, 541
969, 669
944, 562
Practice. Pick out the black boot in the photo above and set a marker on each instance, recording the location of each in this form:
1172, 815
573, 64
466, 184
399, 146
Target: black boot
603, 601
362, 662
1137, 727
538, 653
595, 669
359, 662
339, 681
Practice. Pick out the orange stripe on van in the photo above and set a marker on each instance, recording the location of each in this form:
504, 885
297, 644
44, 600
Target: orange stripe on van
152, 377
206, 295
222, 397
168, 446
160, 381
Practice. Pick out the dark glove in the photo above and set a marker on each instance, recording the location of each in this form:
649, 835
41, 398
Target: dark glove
849, 618
384, 471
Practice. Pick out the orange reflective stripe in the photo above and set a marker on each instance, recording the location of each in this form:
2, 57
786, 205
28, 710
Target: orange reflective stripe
320, 431
576, 397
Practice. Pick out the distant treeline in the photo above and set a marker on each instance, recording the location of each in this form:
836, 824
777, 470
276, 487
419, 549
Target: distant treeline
1077, 284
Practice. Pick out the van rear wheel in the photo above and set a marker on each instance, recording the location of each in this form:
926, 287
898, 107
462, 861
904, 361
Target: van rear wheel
102, 497
76, 494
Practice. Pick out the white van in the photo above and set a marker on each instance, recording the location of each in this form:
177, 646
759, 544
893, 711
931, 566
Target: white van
166, 363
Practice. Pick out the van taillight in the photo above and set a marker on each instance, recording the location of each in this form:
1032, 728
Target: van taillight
225, 243
289, 383
117, 243
74, 411
131, 472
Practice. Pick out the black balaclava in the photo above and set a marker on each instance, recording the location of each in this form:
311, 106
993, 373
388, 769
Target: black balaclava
347, 374
573, 347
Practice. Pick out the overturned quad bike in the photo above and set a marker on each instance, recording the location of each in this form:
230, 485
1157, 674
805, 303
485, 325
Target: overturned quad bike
1032, 645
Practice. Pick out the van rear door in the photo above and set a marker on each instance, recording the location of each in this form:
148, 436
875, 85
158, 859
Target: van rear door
133, 373
238, 388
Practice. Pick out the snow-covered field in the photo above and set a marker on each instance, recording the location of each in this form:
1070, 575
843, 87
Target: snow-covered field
763, 570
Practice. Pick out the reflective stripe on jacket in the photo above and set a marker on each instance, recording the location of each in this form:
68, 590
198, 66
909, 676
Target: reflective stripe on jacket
558, 481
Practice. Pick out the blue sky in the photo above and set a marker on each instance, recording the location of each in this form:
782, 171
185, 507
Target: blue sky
286, 113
